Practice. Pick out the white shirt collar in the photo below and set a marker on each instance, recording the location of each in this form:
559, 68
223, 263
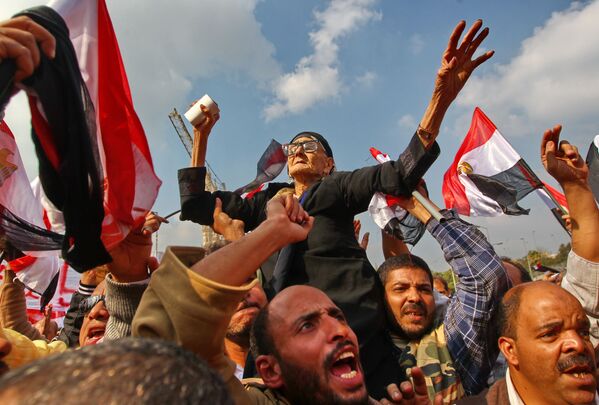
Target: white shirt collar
513, 394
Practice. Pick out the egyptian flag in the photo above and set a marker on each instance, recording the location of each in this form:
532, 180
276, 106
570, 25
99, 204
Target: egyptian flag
21, 214
129, 182
33, 249
386, 212
593, 164
487, 177
270, 165
556, 202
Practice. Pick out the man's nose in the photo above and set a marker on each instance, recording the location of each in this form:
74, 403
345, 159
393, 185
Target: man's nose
99, 311
414, 295
573, 342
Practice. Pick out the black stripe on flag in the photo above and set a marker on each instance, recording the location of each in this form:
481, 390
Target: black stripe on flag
593, 164
508, 187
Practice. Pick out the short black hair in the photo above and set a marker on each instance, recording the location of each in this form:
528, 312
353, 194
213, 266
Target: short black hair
506, 316
442, 280
402, 261
524, 274
261, 340
132, 370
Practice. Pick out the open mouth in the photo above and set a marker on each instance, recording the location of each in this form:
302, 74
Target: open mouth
345, 365
579, 371
95, 335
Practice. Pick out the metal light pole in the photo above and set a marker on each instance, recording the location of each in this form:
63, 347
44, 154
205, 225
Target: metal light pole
527, 258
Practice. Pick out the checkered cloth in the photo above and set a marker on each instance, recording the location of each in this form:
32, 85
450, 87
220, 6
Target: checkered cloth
482, 281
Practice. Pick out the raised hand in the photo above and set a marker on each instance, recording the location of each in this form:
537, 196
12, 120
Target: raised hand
230, 229
457, 64
456, 67
410, 393
19, 38
563, 162
131, 260
46, 326
365, 238
201, 132
292, 223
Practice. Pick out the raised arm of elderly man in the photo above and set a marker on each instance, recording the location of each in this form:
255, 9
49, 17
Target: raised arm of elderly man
564, 163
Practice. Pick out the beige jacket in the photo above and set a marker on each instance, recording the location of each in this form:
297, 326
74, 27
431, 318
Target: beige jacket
184, 307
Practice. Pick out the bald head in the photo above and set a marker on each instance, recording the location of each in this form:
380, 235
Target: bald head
532, 296
290, 300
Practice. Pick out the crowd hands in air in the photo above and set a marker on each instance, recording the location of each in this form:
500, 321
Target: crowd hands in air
219, 325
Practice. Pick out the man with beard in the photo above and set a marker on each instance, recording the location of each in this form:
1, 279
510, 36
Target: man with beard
237, 338
454, 349
305, 350
544, 335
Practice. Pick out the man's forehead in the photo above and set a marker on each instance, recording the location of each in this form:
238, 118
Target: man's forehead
304, 139
408, 275
295, 302
541, 306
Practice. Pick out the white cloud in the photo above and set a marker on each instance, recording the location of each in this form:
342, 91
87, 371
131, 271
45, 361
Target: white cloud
552, 79
316, 77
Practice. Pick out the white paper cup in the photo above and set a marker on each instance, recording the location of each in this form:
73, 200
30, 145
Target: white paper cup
195, 115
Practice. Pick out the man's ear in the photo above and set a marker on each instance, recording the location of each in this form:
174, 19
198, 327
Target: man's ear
330, 166
270, 371
508, 348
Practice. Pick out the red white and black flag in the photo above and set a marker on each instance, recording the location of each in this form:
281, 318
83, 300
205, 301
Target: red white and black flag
487, 177
270, 165
593, 163
129, 182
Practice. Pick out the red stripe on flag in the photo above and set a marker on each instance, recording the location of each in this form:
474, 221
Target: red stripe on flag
454, 193
21, 263
559, 197
119, 124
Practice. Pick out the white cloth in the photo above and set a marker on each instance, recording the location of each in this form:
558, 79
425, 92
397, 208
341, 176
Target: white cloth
238, 372
582, 281
513, 394
511, 390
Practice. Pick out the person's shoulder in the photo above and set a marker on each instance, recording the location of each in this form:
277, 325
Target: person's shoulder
260, 394
494, 395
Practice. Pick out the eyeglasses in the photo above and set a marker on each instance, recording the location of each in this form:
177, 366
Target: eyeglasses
86, 304
290, 149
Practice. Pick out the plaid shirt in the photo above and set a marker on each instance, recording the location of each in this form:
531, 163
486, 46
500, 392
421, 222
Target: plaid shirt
482, 281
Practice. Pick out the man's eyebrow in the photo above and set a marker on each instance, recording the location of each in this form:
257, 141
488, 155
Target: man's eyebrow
334, 311
307, 317
550, 325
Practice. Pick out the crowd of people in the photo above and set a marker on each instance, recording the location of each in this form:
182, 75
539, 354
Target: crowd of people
289, 310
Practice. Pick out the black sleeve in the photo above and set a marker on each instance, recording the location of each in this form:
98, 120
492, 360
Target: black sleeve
73, 320
399, 177
197, 204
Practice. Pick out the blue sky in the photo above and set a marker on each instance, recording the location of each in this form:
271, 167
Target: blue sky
361, 73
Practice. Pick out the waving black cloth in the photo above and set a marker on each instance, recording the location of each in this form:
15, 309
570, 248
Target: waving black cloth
26, 236
64, 134
330, 258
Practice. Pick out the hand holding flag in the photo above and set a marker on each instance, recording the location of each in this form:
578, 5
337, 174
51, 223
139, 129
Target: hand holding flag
563, 162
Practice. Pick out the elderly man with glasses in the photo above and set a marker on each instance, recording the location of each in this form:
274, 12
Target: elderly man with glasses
330, 258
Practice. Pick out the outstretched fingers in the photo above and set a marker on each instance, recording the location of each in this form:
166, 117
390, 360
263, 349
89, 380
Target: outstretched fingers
452, 45
467, 41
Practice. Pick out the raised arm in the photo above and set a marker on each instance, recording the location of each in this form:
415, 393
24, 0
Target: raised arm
564, 163
482, 281
457, 64
201, 132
